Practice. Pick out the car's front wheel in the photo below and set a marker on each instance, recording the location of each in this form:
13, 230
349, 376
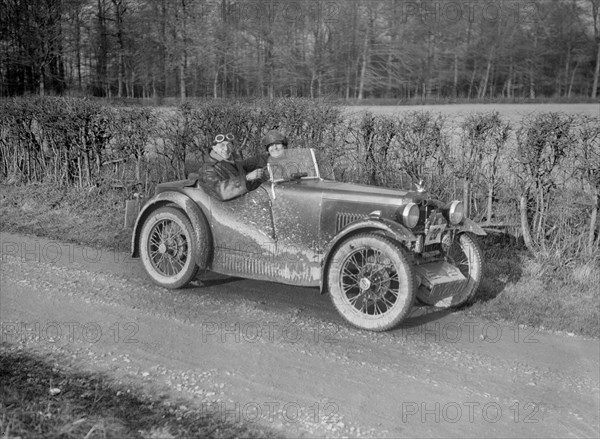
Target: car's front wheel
168, 248
371, 282
465, 254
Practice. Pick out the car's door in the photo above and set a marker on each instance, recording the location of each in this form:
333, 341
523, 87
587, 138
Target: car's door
243, 234
296, 205
296, 208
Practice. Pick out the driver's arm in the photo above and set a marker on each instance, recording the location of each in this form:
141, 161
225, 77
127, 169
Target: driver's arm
252, 164
220, 185
255, 162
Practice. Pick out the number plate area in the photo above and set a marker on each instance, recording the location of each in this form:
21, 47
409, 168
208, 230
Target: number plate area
435, 230
439, 280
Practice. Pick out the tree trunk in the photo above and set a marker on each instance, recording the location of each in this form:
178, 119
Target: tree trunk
182, 89
163, 30
101, 69
216, 83
388, 86
532, 61
260, 70
430, 61
455, 85
78, 49
120, 9
572, 80
484, 84
596, 73
182, 36
471, 82
365, 61
525, 225
347, 82
509, 81
41, 78
120, 76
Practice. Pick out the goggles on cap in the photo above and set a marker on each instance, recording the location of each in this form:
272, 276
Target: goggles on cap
221, 137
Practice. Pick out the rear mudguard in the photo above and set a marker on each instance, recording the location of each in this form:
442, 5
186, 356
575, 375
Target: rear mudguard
184, 202
392, 229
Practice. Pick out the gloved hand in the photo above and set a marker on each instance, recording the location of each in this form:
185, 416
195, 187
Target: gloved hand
255, 175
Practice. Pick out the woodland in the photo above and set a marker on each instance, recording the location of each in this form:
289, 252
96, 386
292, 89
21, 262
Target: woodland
403, 51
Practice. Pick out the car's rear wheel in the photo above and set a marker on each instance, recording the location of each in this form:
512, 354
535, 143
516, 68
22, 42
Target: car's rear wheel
371, 282
465, 254
168, 248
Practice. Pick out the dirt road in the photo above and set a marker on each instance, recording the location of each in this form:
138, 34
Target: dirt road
281, 356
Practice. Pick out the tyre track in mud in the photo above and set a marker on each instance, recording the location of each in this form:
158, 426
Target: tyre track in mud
280, 355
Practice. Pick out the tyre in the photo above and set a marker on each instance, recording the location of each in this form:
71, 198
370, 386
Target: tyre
371, 282
465, 253
168, 248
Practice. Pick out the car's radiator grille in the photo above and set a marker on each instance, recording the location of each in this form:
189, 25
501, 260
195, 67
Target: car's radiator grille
342, 219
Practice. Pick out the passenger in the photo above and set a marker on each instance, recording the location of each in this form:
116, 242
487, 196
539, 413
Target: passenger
275, 144
223, 177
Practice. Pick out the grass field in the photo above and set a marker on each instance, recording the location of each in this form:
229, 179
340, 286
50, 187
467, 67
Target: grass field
511, 112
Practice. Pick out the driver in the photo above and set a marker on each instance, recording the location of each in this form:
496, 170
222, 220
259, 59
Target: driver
224, 178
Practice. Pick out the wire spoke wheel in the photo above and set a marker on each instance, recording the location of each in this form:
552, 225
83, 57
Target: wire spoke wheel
371, 282
368, 282
168, 248
465, 254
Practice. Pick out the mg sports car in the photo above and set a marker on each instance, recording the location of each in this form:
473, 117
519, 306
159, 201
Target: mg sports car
374, 250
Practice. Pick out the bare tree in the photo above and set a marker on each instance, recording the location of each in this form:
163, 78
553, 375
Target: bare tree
595, 4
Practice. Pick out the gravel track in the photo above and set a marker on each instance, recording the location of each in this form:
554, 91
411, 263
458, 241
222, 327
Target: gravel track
281, 356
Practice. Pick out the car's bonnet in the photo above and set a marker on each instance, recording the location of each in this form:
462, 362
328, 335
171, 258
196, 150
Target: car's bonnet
334, 190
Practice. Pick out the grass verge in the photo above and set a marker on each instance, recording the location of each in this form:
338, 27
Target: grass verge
40, 399
516, 287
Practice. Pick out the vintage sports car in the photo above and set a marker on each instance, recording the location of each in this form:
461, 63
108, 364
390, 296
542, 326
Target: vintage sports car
374, 250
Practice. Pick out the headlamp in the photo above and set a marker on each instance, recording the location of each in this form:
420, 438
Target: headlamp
456, 212
409, 215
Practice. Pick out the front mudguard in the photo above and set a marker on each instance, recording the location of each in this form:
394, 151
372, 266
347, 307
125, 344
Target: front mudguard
394, 230
468, 225
185, 203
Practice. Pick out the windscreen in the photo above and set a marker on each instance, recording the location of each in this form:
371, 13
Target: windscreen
292, 164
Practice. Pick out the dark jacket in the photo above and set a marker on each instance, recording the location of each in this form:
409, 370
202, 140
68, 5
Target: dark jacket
226, 180
223, 180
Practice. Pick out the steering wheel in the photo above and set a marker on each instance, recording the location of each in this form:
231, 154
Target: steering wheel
298, 175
